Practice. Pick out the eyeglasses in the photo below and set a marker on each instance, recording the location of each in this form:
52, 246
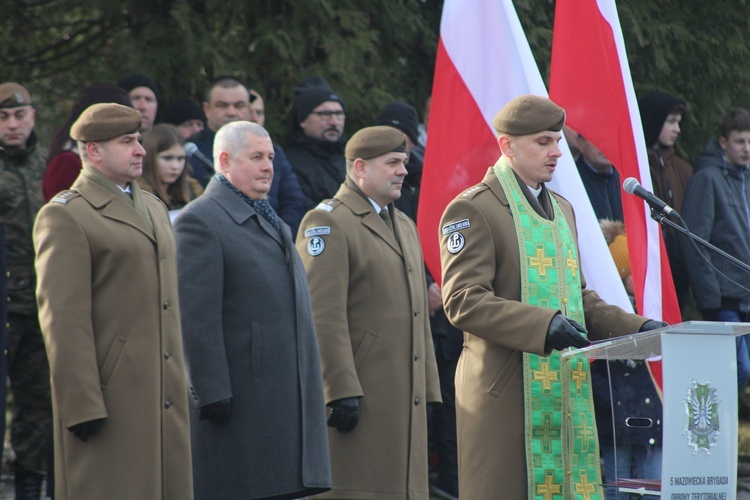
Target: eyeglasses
327, 115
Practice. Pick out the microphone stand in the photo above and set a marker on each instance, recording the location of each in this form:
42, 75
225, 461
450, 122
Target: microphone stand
662, 219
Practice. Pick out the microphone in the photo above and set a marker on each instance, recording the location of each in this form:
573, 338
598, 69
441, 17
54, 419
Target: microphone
632, 186
192, 150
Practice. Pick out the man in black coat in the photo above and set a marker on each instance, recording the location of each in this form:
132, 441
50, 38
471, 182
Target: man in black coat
315, 143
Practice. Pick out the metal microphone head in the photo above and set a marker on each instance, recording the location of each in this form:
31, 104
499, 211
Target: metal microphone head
190, 148
630, 184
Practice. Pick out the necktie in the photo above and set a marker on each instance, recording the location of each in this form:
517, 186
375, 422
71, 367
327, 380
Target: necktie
387, 219
266, 211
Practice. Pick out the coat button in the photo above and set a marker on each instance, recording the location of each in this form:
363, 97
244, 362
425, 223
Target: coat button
416, 313
416, 357
416, 401
167, 404
166, 355
7, 274
166, 306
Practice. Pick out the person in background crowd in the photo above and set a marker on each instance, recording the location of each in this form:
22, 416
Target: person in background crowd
717, 209
22, 164
164, 172
286, 196
512, 283
601, 181
64, 161
422, 140
364, 264
258, 428
186, 115
315, 143
144, 96
110, 314
226, 100
661, 115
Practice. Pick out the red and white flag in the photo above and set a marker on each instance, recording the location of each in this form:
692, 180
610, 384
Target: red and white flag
484, 61
590, 78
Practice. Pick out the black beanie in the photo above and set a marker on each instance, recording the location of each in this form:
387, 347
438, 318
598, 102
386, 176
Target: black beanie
655, 107
311, 82
132, 81
402, 116
181, 110
311, 98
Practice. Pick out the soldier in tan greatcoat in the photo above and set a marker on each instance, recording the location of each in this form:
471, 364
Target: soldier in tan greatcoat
109, 312
364, 265
511, 282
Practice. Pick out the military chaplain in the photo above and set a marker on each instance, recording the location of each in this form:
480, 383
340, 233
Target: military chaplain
109, 312
512, 283
364, 264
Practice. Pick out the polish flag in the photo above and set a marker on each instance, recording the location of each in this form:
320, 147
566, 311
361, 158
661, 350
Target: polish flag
590, 78
484, 61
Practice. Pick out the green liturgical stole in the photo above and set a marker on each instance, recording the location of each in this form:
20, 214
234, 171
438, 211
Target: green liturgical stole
562, 449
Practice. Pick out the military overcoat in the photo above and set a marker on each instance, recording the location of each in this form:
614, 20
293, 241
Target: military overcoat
109, 312
370, 308
482, 293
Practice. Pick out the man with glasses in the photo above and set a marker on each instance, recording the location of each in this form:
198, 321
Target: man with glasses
315, 143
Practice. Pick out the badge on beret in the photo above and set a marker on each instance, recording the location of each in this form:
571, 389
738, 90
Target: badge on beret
316, 231
315, 246
456, 226
455, 243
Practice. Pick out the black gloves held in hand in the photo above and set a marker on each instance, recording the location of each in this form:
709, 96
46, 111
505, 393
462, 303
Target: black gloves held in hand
85, 430
344, 414
217, 412
652, 324
564, 332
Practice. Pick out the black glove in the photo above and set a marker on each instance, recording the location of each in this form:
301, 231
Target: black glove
217, 412
564, 332
652, 324
85, 430
344, 414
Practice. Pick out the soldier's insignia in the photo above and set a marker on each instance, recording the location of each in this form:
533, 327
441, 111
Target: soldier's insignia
456, 226
315, 246
324, 206
455, 242
64, 197
702, 408
315, 231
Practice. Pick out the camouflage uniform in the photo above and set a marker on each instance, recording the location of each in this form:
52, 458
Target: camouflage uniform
21, 198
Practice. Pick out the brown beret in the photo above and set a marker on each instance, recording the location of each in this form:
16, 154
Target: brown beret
371, 142
13, 95
528, 114
105, 121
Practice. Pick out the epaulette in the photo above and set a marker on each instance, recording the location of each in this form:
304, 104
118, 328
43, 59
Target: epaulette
474, 190
328, 205
63, 197
150, 194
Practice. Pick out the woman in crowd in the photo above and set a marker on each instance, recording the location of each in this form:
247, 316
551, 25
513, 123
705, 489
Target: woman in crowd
164, 172
63, 161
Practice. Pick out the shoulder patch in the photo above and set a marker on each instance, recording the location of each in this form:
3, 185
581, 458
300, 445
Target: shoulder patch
315, 246
317, 231
327, 205
456, 226
474, 190
65, 196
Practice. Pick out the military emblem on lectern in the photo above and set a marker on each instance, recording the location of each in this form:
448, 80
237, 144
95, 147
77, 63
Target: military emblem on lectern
702, 407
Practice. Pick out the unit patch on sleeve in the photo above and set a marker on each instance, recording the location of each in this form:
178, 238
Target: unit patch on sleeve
315, 246
316, 231
456, 226
455, 242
